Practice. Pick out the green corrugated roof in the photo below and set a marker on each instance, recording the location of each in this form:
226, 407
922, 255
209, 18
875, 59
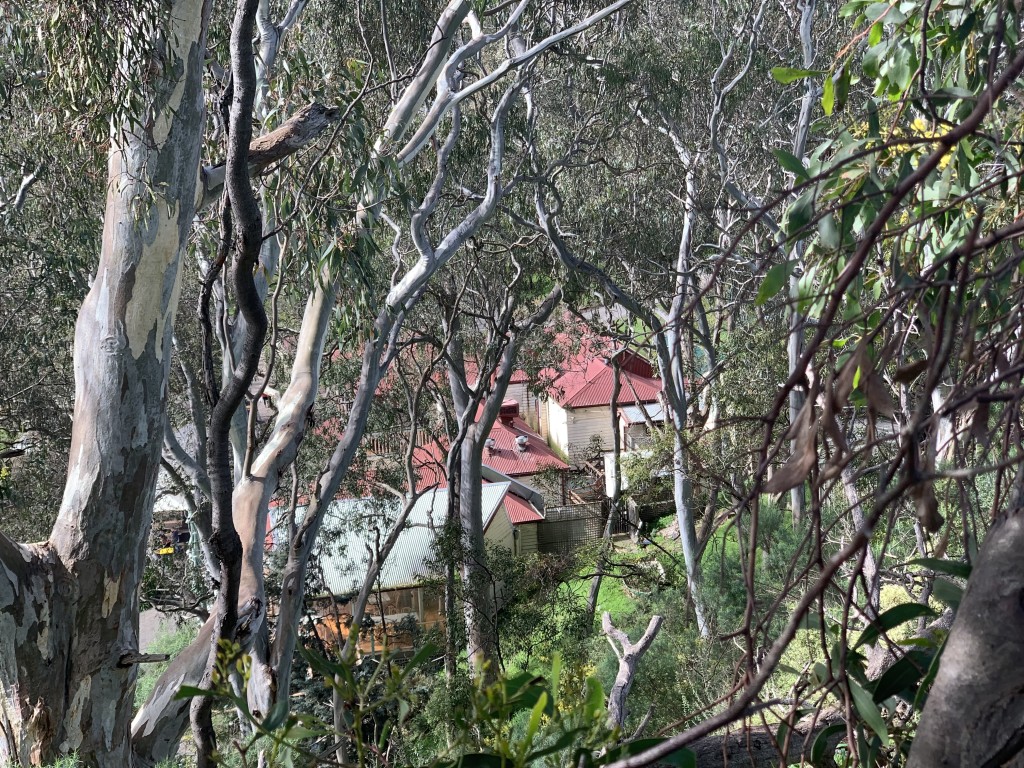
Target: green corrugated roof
353, 525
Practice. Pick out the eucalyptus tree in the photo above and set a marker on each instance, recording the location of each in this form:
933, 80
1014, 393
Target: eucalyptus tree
402, 141
49, 222
490, 319
70, 605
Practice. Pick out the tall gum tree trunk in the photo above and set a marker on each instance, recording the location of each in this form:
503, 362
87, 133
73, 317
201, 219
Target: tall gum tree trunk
478, 606
974, 715
70, 607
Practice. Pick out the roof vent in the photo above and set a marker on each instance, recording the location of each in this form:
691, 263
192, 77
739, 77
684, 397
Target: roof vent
489, 443
521, 442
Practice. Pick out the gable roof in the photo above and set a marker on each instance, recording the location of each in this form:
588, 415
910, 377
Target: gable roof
584, 379
597, 390
351, 528
519, 511
592, 386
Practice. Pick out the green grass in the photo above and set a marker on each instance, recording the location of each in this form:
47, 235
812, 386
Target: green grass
613, 598
171, 642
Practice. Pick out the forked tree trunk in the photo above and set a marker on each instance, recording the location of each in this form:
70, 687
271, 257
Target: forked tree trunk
477, 415
628, 654
69, 608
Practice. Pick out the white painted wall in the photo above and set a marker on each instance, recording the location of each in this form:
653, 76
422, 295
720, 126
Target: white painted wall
581, 427
557, 427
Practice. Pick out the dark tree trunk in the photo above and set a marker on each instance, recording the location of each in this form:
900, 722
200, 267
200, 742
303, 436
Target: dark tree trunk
974, 715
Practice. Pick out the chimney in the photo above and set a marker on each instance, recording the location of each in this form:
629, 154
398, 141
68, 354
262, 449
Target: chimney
509, 411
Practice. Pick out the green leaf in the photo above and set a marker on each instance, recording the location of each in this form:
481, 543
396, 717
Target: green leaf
799, 214
594, 702
524, 691
843, 86
786, 75
851, 8
567, 739
821, 743
875, 34
535, 718
329, 669
868, 711
948, 567
874, 127
791, 163
422, 655
901, 67
828, 96
902, 677
190, 691
556, 676
828, 232
899, 614
873, 57
275, 718
782, 733
948, 592
773, 281
887, 12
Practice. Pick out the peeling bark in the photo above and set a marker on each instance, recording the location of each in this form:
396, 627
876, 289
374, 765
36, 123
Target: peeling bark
302, 128
77, 596
35, 644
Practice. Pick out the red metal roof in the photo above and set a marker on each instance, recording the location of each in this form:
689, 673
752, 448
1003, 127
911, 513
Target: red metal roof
519, 510
584, 379
593, 387
505, 456
429, 462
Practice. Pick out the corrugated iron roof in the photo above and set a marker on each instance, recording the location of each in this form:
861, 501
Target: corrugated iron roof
520, 511
584, 379
634, 414
352, 527
594, 387
506, 457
